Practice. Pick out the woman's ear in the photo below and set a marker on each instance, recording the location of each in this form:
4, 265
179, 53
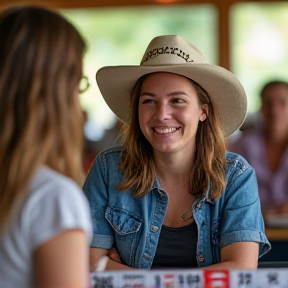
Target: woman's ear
204, 113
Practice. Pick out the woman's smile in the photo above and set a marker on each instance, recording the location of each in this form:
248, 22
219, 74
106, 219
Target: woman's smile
169, 112
165, 130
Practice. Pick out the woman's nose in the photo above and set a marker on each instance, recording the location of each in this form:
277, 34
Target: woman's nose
162, 112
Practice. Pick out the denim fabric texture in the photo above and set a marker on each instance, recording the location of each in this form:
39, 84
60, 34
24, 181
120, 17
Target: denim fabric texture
133, 224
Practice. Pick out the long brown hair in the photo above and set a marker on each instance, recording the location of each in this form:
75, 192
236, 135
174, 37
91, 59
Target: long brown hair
41, 119
137, 161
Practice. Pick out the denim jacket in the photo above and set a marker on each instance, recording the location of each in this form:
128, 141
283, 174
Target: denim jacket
133, 224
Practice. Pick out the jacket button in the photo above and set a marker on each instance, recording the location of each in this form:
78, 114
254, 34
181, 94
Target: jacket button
201, 258
146, 256
154, 228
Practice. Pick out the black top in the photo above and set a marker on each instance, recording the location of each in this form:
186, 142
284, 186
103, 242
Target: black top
177, 247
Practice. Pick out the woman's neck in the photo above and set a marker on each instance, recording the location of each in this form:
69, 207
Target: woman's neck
173, 168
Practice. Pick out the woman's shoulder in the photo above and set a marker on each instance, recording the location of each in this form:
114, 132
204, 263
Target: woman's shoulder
111, 151
107, 160
240, 173
49, 179
241, 183
233, 159
58, 201
237, 164
49, 186
57, 191
110, 154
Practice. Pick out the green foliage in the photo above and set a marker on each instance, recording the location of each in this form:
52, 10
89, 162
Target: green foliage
259, 45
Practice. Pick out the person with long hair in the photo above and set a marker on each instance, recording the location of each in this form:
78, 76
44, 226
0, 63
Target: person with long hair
45, 225
171, 195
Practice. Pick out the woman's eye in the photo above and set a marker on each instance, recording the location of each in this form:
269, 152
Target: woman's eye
178, 100
148, 101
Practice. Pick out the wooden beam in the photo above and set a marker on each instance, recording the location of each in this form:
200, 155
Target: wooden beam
115, 3
223, 34
98, 3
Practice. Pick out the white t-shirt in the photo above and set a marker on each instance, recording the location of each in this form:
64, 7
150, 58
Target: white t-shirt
55, 203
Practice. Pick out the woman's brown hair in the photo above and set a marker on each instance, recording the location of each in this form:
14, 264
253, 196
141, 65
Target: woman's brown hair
209, 167
41, 119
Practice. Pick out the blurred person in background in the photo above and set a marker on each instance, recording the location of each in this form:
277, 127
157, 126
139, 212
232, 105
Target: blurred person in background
264, 144
45, 226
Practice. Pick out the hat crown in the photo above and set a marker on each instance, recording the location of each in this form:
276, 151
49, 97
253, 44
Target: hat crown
171, 49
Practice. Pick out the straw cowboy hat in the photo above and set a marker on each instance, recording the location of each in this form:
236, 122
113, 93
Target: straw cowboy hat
172, 53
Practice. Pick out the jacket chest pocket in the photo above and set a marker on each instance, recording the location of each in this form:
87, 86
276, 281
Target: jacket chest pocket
126, 224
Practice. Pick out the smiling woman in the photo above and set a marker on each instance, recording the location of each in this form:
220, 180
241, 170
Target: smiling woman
172, 177
169, 113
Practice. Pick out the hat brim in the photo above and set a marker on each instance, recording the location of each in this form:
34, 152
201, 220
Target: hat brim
228, 95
